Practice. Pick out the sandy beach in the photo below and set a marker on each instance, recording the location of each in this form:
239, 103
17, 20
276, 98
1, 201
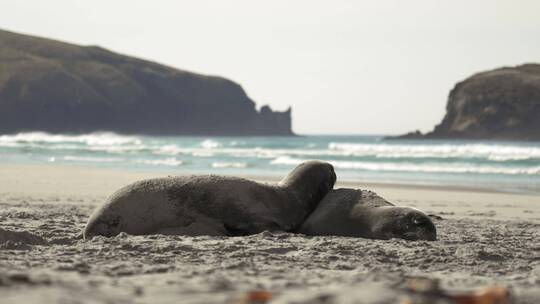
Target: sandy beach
300, 152
485, 239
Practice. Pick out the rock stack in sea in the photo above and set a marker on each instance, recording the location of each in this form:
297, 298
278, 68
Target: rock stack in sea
502, 104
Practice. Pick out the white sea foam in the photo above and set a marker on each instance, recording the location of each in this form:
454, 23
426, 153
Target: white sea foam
381, 151
209, 152
202, 154
100, 139
503, 158
412, 167
121, 149
210, 144
220, 165
169, 150
7, 144
171, 161
92, 159
259, 152
377, 151
497, 152
235, 143
118, 149
175, 150
287, 160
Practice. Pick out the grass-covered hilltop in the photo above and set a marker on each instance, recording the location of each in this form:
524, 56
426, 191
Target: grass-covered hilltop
502, 104
52, 86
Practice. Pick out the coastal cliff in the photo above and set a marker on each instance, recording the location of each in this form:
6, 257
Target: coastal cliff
502, 104
51, 86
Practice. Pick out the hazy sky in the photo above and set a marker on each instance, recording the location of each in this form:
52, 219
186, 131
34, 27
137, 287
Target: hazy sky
357, 67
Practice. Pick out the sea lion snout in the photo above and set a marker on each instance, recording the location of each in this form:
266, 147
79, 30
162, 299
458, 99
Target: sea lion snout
327, 177
106, 226
425, 229
407, 223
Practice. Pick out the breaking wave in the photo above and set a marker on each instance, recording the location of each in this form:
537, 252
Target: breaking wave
171, 161
229, 165
92, 159
486, 151
487, 162
411, 167
93, 139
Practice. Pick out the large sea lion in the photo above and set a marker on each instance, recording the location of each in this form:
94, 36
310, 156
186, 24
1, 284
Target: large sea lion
213, 205
357, 213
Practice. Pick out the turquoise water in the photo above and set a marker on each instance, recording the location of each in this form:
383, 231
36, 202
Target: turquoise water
511, 166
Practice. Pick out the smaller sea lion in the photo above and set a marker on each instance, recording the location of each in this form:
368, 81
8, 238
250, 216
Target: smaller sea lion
358, 213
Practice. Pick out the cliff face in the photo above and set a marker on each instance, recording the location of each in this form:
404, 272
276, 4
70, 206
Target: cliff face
500, 104
51, 86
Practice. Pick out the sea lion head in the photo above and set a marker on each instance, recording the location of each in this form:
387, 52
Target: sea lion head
104, 223
311, 180
127, 210
405, 223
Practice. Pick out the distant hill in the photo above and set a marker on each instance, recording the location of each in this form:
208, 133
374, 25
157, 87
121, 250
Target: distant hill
47, 85
502, 104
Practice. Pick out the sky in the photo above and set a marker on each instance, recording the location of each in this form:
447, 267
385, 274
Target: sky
345, 66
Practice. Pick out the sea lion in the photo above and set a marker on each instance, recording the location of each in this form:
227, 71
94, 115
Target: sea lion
358, 213
213, 205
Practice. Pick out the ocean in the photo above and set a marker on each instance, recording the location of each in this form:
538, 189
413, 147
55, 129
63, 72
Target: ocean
506, 166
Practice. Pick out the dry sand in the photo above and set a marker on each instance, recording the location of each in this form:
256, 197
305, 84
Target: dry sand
484, 239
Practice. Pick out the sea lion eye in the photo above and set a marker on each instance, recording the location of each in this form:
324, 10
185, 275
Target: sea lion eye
421, 221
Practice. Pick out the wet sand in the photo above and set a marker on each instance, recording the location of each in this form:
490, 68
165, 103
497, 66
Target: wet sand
484, 239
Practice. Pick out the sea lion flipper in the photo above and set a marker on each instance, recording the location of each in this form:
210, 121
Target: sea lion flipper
241, 229
200, 226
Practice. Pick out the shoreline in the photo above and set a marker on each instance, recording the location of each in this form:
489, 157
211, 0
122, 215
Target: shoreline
56, 170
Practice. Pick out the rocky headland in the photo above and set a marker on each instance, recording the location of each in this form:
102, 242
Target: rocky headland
52, 86
502, 104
